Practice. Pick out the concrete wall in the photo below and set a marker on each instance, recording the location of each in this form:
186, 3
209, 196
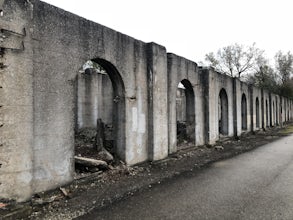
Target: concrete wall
180, 69
42, 50
217, 82
256, 112
16, 100
242, 89
267, 109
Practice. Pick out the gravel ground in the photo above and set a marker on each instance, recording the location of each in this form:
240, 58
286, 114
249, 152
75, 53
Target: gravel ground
102, 188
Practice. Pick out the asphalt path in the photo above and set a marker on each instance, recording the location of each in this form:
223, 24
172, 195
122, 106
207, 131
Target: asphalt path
254, 185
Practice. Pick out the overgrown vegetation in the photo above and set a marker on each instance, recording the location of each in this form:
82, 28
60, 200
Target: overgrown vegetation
250, 65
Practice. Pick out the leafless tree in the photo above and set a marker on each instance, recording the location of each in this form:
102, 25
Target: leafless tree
235, 60
284, 65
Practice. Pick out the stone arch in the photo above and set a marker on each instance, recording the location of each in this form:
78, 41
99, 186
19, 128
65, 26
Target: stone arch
223, 112
119, 112
257, 118
116, 101
244, 112
186, 110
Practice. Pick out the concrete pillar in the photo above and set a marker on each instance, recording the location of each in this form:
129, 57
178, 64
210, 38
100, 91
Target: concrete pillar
16, 101
251, 108
158, 104
172, 90
262, 110
234, 106
206, 90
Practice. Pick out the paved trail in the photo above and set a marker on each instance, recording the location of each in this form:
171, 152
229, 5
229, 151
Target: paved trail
254, 185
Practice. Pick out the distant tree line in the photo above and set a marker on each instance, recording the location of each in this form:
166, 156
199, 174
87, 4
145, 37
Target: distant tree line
250, 65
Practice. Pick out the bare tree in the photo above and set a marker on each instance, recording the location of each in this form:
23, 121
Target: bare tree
284, 65
235, 60
264, 77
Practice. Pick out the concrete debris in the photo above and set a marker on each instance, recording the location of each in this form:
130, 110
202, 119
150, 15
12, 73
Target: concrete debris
100, 135
65, 193
88, 162
43, 201
218, 147
105, 155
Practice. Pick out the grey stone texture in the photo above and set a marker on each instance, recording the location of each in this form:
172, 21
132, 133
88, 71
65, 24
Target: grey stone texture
42, 51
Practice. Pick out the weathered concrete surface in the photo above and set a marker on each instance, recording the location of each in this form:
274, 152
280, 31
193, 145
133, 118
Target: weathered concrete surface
217, 82
180, 69
16, 100
42, 51
242, 89
256, 119
255, 185
157, 97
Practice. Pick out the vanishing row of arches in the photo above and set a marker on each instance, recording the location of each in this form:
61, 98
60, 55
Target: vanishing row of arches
88, 98
266, 116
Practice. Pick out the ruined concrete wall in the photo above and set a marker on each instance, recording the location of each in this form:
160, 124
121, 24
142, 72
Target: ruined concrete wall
289, 110
256, 112
158, 102
63, 43
275, 109
242, 89
42, 51
267, 109
217, 82
282, 110
16, 100
180, 69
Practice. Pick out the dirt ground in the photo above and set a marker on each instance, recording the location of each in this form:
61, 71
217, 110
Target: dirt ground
94, 190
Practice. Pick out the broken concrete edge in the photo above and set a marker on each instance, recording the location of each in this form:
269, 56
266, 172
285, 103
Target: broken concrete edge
24, 210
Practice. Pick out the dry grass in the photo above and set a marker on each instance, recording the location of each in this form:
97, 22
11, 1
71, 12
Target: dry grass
288, 129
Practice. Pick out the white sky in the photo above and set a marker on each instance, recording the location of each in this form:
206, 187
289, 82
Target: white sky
193, 28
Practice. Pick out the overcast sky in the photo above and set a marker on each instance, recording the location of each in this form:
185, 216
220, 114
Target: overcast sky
192, 28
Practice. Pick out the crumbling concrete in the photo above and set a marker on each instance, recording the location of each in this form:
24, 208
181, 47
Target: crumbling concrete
42, 51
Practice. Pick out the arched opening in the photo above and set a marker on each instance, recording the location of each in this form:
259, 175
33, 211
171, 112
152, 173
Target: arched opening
244, 112
257, 112
100, 112
267, 113
185, 114
223, 112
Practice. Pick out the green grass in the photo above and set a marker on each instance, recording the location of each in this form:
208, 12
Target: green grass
288, 130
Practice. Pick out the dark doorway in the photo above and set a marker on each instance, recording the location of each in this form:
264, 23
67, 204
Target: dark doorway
244, 112
223, 112
185, 114
100, 112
